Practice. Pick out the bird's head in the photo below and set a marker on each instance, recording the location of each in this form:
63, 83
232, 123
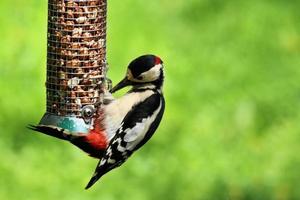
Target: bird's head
146, 69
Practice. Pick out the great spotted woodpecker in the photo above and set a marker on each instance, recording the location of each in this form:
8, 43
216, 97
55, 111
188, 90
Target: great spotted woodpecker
124, 124
136, 115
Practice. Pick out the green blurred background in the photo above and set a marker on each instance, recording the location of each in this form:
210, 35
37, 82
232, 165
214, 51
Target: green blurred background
232, 124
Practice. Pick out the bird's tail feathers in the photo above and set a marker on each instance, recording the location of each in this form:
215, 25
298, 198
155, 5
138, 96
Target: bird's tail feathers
102, 168
97, 175
93, 180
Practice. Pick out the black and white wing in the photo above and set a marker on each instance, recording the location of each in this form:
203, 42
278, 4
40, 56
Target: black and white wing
136, 129
53, 131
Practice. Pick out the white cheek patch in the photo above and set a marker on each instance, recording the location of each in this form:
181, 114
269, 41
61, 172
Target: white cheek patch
152, 74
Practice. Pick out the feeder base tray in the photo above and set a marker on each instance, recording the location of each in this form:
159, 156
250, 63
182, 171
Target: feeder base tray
74, 125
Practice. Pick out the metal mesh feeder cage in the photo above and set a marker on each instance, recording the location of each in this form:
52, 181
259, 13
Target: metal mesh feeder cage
76, 62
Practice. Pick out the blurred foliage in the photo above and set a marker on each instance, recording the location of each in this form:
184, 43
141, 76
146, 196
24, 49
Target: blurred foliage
231, 127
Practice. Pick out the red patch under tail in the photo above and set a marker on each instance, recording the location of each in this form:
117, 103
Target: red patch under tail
97, 137
97, 140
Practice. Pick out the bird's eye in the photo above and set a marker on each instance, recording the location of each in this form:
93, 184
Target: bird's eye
139, 78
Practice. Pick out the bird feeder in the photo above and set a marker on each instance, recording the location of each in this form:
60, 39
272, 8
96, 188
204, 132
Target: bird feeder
76, 63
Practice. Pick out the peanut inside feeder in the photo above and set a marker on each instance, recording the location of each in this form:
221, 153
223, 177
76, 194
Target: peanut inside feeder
76, 61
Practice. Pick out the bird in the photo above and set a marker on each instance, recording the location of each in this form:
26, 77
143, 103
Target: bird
121, 125
135, 116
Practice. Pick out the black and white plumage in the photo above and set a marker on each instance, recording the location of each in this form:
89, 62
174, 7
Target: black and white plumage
136, 115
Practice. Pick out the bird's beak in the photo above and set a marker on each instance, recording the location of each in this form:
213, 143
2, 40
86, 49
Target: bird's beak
125, 82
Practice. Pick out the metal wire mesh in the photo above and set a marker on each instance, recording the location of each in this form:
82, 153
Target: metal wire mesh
76, 58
